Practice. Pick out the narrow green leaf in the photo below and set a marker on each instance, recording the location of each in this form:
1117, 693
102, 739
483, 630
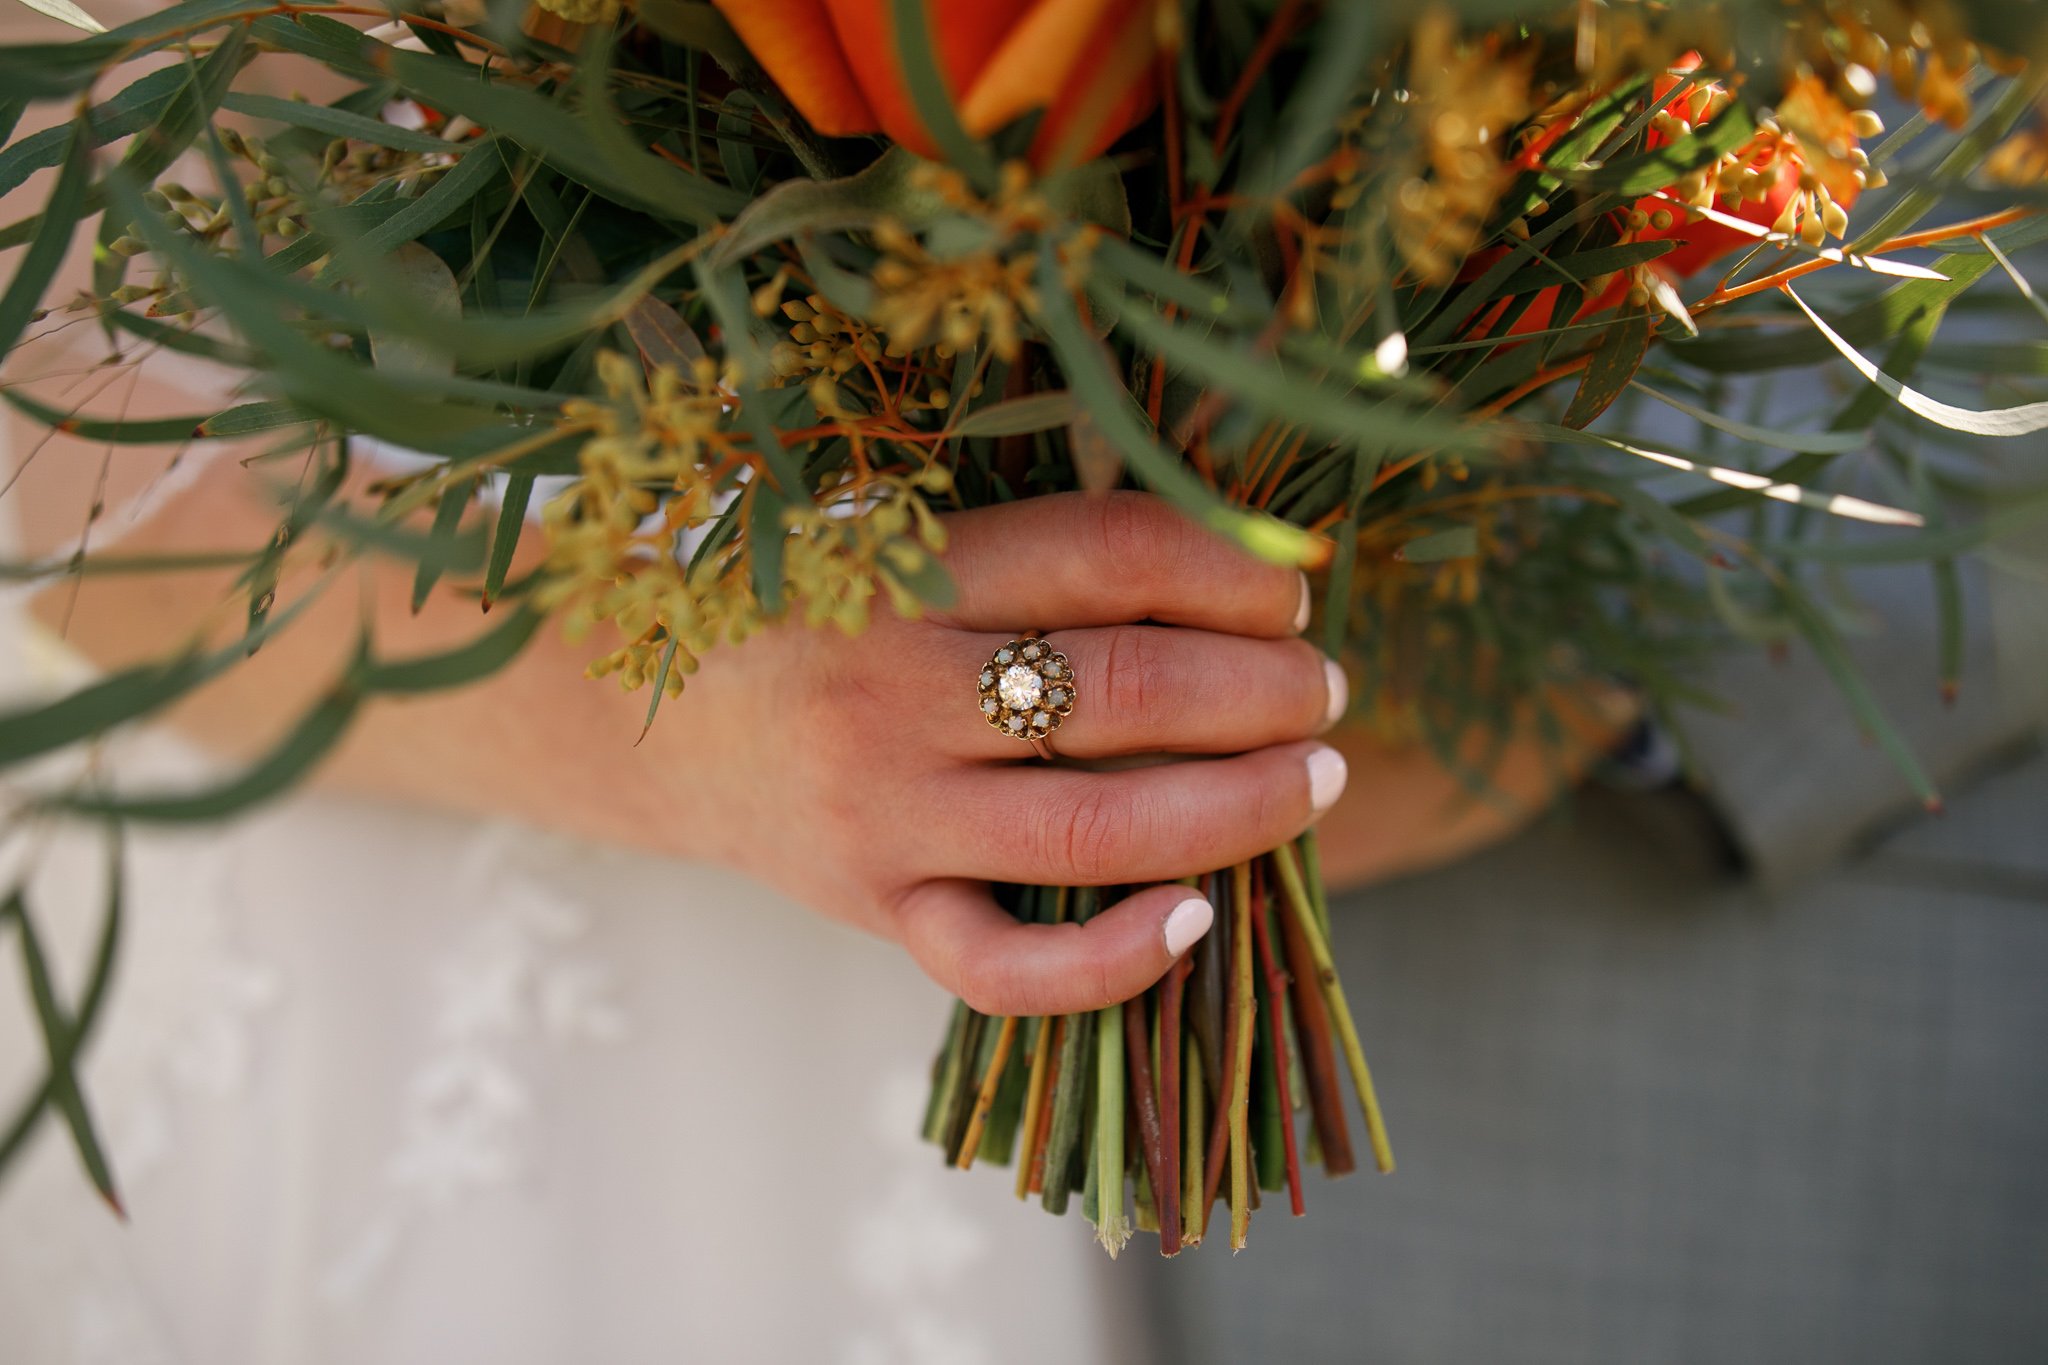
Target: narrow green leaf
1337, 599
1263, 384
64, 12
883, 189
458, 667
461, 183
767, 537
1018, 416
2023, 420
244, 420
137, 107
2012, 517
917, 58
60, 1046
308, 742
89, 1005
632, 176
1834, 656
320, 380
1667, 165
1807, 442
60, 215
505, 540
1460, 542
668, 189
1583, 265
249, 418
49, 70
459, 552
447, 519
1747, 350
662, 335
1098, 387
1614, 364
1837, 504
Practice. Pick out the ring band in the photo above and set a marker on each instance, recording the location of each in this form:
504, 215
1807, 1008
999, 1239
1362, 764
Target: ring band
1026, 690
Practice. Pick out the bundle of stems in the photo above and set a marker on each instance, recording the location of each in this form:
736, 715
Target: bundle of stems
1155, 1108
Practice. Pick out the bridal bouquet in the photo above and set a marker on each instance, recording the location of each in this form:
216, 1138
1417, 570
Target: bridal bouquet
737, 296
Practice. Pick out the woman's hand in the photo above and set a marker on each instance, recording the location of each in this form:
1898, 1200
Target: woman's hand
855, 774
858, 774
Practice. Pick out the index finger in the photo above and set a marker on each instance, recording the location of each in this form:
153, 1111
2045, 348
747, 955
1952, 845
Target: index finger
1102, 559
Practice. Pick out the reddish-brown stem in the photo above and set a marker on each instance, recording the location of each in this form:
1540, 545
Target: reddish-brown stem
1318, 1052
1219, 1125
1167, 1186
1052, 1083
1138, 1068
1277, 32
1779, 279
1276, 990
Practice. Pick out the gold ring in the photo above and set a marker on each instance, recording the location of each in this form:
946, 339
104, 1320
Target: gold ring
1026, 690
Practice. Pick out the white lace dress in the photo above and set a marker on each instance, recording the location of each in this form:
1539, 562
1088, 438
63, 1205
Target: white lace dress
380, 1086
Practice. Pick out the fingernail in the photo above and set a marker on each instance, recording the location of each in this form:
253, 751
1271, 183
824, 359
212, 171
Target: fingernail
1301, 612
1326, 775
1340, 692
1188, 922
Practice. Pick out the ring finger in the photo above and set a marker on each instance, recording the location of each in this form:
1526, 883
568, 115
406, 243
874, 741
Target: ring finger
1154, 689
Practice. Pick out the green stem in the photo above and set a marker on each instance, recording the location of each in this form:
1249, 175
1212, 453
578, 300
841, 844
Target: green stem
1112, 1228
1303, 911
1244, 1020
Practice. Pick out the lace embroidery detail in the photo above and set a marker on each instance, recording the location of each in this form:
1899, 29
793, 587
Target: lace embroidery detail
512, 980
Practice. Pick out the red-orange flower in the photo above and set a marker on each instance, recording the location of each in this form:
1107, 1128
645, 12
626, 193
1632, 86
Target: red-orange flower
1088, 63
1776, 181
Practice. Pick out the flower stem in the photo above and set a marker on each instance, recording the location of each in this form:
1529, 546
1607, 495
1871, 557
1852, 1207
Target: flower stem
1112, 1228
1276, 989
1034, 1106
1304, 914
1170, 1048
1194, 1211
1243, 1019
1318, 1053
1138, 1056
985, 1098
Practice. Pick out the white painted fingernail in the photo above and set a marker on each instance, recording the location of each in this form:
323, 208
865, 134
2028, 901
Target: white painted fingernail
1301, 612
1326, 776
1340, 692
1188, 922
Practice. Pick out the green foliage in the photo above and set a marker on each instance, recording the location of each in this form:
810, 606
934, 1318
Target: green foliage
1499, 462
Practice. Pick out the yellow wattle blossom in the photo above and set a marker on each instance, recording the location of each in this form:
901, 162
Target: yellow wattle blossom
663, 458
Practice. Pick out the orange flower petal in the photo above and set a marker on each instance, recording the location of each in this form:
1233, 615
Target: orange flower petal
1037, 62
795, 42
968, 33
1112, 86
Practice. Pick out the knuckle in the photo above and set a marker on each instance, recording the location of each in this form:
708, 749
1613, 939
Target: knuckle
1085, 834
1140, 539
1134, 678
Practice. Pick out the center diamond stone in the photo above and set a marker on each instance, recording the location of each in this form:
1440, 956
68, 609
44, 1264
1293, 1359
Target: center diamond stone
1020, 688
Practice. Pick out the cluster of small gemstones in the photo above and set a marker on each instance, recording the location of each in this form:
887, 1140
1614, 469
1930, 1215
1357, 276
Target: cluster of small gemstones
1026, 689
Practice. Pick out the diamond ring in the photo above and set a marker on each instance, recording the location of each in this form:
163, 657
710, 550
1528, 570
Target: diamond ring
1026, 690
